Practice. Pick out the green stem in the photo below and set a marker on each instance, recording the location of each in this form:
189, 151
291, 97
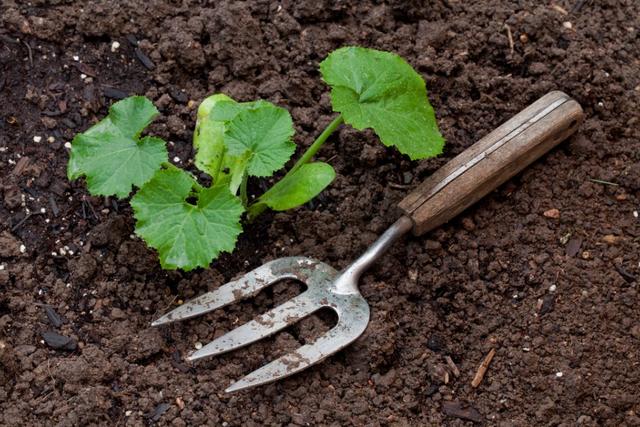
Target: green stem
257, 208
320, 140
243, 190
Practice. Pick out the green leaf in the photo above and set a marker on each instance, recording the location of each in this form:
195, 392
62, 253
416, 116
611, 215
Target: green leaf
264, 133
111, 153
208, 136
380, 90
186, 235
299, 187
215, 115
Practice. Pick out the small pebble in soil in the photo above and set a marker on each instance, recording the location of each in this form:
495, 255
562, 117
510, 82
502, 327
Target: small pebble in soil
176, 159
59, 342
115, 46
67, 145
635, 214
552, 213
179, 96
51, 140
559, 374
198, 345
128, 413
76, 58
37, 138
23, 248
552, 288
568, 25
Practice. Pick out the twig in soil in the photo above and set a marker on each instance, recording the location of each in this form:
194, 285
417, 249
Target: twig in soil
6, 39
482, 369
53, 205
628, 277
510, 37
601, 181
29, 52
560, 9
450, 363
577, 6
399, 186
23, 220
93, 211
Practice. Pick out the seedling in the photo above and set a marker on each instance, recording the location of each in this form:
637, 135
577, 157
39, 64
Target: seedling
189, 224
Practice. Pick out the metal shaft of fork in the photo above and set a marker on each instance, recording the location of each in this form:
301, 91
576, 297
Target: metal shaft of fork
347, 282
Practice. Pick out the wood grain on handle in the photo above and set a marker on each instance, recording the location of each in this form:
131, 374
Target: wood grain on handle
492, 160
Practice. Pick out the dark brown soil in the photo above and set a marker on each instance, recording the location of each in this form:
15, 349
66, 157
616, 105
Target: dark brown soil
556, 297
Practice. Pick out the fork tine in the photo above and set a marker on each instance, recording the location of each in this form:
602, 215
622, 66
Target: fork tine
267, 324
248, 285
294, 362
352, 323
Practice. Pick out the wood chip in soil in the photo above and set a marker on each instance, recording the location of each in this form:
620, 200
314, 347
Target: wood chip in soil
144, 59
461, 410
114, 93
157, 412
59, 342
548, 304
625, 274
54, 318
573, 247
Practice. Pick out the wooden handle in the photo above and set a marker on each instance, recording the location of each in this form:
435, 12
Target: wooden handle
492, 160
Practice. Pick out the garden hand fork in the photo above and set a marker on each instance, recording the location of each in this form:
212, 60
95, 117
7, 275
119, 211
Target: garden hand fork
457, 185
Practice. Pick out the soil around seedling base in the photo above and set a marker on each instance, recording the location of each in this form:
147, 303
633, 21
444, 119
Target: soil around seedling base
555, 295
